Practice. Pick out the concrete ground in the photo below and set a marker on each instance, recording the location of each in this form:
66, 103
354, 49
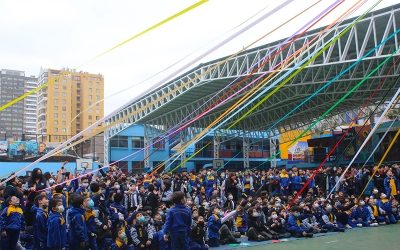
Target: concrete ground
382, 237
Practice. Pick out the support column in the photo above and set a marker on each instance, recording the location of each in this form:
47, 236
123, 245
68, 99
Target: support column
217, 145
246, 146
106, 154
147, 140
182, 137
273, 146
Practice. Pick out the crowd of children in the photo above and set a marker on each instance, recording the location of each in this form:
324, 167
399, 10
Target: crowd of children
115, 210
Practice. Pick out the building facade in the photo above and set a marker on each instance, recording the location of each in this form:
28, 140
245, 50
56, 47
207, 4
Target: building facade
19, 119
61, 102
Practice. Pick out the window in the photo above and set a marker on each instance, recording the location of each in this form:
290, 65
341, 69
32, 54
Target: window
90, 83
64, 137
90, 96
97, 97
78, 98
78, 119
64, 101
64, 87
55, 107
97, 117
90, 110
55, 115
137, 142
157, 143
89, 123
78, 92
55, 122
64, 116
55, 137
64, 130
90, 103
97, 111
97, 84
64, 108
119, 142
56, 86
55, 93
64, 80
55, 100
97, 104
78, 126
97, 90
78, 85
77, 78
64, 123
78, 111
90, 89
78, 105
64, 94
90, 117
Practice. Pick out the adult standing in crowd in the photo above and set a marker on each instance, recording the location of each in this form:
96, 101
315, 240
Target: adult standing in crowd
33, 186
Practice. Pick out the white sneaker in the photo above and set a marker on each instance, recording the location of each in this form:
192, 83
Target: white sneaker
374, 224
348, 226
382, 223
359, 225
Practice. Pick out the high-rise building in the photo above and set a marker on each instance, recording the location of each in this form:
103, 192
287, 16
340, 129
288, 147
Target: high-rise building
19, 119
61, 102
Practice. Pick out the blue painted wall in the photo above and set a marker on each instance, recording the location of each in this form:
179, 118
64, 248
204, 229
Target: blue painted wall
6, 168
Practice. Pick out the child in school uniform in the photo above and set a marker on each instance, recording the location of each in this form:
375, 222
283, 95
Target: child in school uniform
178, 222
77, 235
40, 225
56, 227
121, 242
90, 217
12, 222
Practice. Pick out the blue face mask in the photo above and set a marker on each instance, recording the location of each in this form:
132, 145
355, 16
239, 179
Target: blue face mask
122, 237
91, 203
103, 191
141, 219
52, 181
297, 215
161, 213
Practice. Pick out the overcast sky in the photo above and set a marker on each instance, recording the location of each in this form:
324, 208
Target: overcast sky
56, 34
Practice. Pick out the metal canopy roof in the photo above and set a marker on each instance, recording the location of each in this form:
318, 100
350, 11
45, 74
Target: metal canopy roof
180, 97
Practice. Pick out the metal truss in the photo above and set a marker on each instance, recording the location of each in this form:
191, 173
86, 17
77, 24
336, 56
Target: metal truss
169, 104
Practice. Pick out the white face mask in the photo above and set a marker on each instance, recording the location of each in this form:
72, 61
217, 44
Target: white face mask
375, 191
274, 216
323, 200
85, 185
315, 205
255, 214
208, 173
230, 197
117, 186
362, 203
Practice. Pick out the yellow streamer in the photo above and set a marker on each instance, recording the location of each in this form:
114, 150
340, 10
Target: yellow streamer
130, 39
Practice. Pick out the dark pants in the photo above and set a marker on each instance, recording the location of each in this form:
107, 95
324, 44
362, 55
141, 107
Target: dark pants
9, 242
179, 241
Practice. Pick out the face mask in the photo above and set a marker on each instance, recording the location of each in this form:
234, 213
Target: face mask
383, 196
201, 223
230, 197
334, 169
329, 207
315, 205
271, 177
161, 213
146, 220
323, 200
297, 215
121, 217
149, 212
221, 214
52, 181
91, 203
85, 185
102, 191
208, 173
362, 203
255, 214
274, 216
117, 186
39, 176
61, 209
122, 237
375, 191
141, 219
279, 200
